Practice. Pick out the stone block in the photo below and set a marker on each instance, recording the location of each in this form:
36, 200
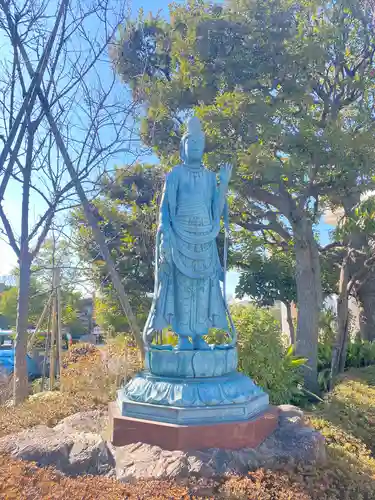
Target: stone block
230, 435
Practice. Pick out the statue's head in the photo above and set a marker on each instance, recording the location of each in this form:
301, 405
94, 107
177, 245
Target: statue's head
192, 143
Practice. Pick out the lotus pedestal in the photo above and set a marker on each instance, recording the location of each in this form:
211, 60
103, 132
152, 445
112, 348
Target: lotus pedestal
192, 400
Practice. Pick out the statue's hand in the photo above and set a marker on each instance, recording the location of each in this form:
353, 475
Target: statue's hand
225, 173
165, 248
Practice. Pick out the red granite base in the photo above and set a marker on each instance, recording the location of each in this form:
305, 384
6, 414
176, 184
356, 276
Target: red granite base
232, 436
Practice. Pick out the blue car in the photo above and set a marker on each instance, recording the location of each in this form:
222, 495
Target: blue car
7, 364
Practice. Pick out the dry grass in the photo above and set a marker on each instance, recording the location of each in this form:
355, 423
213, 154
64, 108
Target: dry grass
6, 387
89, 380
347, 421
26, 481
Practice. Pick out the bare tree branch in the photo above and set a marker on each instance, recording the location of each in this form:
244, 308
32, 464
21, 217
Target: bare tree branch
9, 232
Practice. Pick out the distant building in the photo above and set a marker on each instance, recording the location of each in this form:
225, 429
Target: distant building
234, 300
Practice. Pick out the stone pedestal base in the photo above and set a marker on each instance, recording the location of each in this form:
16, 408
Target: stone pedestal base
229, 435
191, 401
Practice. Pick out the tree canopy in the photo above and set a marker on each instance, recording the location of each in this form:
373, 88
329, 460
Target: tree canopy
285, 92
127, 214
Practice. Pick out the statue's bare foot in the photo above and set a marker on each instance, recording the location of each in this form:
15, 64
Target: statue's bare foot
184, 344
200, 344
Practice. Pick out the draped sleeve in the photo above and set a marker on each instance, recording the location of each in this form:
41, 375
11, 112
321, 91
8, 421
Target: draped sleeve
164, 214
215, 200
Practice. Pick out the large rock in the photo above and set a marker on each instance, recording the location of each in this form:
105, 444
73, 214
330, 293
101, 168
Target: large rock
40, 444
89, 455
145, 461
71, 453
142, 461
95, 421
291, 442
76, 446
290, 415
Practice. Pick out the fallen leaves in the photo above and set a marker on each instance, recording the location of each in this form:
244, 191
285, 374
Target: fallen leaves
25, 481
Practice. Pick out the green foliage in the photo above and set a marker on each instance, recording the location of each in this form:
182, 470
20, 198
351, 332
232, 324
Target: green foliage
268, 270
108, 314
264, 356
360, 219
8, 304
127, 215
285, 91
275, 99
360, 353
327, 336
70, 305
38, 296
346, 420
268, 273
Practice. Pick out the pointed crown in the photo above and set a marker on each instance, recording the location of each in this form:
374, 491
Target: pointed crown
193, 127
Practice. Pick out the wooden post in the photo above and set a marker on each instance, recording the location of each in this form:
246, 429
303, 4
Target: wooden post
52, 367
38, 326
47, 345
59, 319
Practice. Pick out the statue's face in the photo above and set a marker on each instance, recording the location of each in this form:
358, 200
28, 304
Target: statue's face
194, 147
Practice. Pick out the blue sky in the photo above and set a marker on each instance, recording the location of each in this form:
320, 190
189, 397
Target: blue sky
13, 196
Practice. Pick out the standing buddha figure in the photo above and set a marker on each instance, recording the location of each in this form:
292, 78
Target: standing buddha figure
188, 294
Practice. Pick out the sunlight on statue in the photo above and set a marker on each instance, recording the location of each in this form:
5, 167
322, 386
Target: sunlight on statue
188, 295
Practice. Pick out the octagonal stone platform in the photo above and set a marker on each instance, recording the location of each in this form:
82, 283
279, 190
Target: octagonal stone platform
234, 397
225, 435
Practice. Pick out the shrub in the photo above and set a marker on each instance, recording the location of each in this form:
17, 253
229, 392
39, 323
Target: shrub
264, 356
88, 368
360, 352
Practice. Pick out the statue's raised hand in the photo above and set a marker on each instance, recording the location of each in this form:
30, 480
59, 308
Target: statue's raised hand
225, 173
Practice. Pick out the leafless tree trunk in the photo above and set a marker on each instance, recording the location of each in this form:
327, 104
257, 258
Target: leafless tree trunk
69, 115
20, 365
98, 235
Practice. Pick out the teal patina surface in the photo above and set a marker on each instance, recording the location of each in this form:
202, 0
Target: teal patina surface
193, 382
188, 296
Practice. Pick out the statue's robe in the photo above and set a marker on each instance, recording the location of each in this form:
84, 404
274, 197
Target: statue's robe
188, 295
